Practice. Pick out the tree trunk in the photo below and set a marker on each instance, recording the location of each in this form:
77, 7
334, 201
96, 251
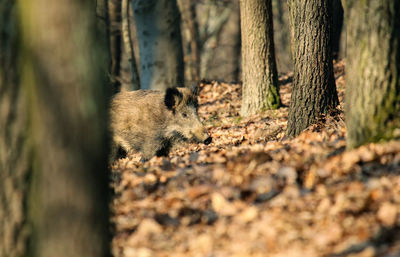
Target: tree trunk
158, 30
282, 36
314, 90
53, 120
373, 71
260, 79
114, 14
224, 64
15, 148
127, 38
337, 26
191, 41
211, 23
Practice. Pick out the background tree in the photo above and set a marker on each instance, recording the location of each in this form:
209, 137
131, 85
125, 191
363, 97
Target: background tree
373, 81
128, 47
260, 78
314, 90
190, 37
282, 36
114, 18
158, 31
211, 39
53, 116
337, 27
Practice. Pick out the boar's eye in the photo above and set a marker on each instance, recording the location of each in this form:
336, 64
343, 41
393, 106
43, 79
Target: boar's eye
184, 115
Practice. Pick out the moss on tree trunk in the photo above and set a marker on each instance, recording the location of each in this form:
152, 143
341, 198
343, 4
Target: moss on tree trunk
373, 71
260, 78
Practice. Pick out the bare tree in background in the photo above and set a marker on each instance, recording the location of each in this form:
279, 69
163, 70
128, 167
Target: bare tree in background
190, 38
260, 78
53, 130
283, 50
114, 17
128, 46
373, 71
314, 90
158, 32
212, 16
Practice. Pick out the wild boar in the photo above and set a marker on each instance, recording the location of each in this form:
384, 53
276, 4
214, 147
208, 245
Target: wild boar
152, 122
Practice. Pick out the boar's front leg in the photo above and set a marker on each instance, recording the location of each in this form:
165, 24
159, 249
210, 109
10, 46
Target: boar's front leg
150, 148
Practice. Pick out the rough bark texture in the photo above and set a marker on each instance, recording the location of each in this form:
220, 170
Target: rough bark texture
373, 71
14, 144
260, 79
63, 76
314, 90
158, 30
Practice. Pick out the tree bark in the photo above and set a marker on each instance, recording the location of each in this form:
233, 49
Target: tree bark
15, 148
373, 68
314, 90
53, 120
158, 30
260, 78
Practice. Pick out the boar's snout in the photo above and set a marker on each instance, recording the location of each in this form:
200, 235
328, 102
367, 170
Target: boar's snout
202, 136
208, 141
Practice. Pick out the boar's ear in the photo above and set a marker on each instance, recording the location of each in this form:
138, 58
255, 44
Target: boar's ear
172, 98
194, 88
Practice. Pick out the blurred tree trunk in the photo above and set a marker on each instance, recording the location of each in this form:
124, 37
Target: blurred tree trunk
53, 136
314, 90
158, 30
114, 16
260, 78
15, 147
373, 81
127, 38
213, 18
191, 40
224, 59
282, 36
337, 26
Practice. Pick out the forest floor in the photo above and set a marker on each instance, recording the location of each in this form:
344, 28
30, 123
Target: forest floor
255, 192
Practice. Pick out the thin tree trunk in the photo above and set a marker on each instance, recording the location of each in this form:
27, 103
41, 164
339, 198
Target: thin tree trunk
215, 19
337, 26
373, 71
158, 30
114, 14
191, 40
260, 78
224, 64
282, 36
127, 38
314, 90
63, 75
